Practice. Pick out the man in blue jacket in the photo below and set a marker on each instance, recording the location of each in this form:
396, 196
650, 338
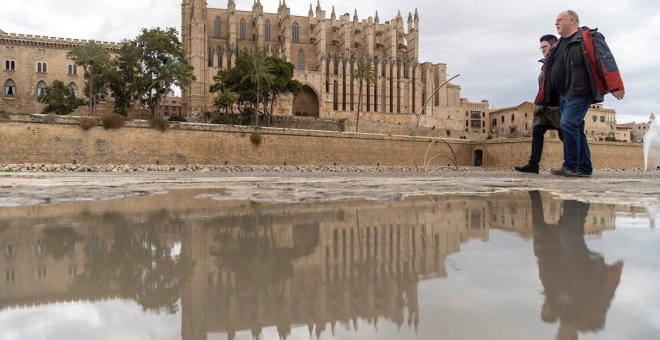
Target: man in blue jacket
579, 72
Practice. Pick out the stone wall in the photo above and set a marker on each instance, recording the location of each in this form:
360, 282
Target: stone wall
49, 139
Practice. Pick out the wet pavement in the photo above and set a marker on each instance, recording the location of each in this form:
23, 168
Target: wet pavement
449, 255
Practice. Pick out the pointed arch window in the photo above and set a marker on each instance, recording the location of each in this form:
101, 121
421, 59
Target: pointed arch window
73, 89
217, 27
267, 30
295, 33
242, 29
10, 88
41, 89
10, 65
301, 60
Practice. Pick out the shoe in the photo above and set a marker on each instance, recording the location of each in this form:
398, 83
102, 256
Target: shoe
584, 174
529, 169
563, 171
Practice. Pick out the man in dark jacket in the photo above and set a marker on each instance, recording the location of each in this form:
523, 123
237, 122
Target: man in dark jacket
580, 71
545, 117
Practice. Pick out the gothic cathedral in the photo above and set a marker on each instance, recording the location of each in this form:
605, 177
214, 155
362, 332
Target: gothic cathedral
325, 51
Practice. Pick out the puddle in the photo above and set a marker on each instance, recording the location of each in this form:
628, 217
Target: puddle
185, 265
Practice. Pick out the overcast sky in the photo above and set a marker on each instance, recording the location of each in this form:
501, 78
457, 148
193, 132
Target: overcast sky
493, 45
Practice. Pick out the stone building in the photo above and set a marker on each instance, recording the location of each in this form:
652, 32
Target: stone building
30, 63
513, 121
325, 50
637, 130
600, 122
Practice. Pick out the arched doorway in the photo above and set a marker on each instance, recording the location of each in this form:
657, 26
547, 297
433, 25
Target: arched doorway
306, 103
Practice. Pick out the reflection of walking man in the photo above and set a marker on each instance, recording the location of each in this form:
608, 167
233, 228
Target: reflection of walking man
577, 283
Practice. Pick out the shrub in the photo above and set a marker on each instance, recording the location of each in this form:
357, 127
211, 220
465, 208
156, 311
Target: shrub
256, 138
178, 119
87, 123
113, 121
222, 120
159, 124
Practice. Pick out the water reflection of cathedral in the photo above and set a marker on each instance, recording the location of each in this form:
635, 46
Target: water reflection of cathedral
246, 267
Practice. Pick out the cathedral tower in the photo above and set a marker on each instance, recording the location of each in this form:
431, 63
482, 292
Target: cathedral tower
195, 48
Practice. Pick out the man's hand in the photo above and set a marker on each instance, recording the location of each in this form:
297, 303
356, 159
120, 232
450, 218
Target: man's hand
618, 94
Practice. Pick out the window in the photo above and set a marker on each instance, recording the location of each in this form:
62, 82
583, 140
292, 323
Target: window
602, 119
42, 67
10, 65
40, 249
10, 88
301, 60
41, 89
42, 273
295, 33
242, 29
10, 251
10, 275
494, 121
218, 27
73, 89
267, 30
513, 118
502, 119
73, 69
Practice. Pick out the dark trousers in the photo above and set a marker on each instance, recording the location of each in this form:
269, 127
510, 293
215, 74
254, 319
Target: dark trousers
577, 156
538, 132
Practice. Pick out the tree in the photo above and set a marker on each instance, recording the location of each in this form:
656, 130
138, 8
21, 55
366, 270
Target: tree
162, 65
226, 100
364, 73
259, 71
124, 77
59, 99
275, 79
174, 72
282, 84
94, 58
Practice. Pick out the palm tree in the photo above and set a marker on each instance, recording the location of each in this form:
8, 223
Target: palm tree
259, 71
364, 73
173, 72
92, 57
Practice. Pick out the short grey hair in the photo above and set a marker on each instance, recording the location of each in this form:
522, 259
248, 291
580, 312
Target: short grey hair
572, 14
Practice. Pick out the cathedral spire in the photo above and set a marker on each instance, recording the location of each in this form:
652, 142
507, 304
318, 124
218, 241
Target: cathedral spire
318, 6
355, 16
311, 12
376, 20
333, 16
416, 17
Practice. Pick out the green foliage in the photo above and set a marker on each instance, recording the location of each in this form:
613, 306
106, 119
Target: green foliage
95, 60
124, 79
257, 81
59, 99
222, 120
256, 138
113, 121
365, 73
611, 139
226, 100
177, 119
162, 66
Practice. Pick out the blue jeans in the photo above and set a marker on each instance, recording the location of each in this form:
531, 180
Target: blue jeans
577, 157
